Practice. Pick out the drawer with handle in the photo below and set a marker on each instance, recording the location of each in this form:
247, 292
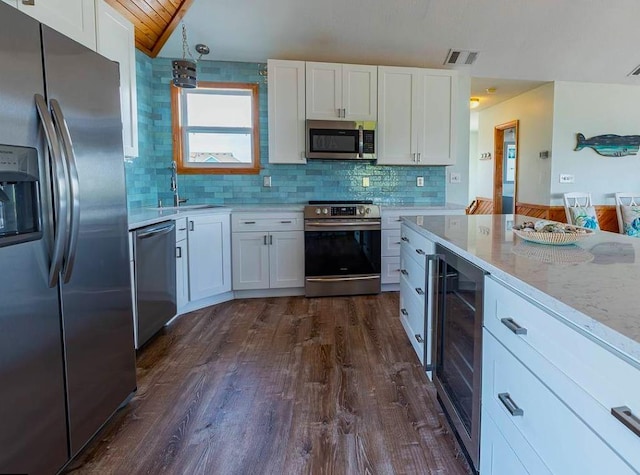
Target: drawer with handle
527, 411
412, 318
582, 372
415, 276
286, 221
181, 229
415, 244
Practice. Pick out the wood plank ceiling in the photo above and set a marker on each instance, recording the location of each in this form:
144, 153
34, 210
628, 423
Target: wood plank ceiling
154, 20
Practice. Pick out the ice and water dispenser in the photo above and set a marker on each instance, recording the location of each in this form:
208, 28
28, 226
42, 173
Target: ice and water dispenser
19, 195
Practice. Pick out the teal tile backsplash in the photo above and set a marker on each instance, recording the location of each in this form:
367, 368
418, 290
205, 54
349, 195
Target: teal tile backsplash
148, 175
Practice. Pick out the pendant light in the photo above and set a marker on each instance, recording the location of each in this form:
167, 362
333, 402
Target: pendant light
184, 70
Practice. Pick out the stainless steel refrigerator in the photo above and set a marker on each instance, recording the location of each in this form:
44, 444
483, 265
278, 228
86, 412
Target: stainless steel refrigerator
67, 358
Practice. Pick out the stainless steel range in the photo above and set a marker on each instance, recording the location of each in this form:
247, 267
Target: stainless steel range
342, 248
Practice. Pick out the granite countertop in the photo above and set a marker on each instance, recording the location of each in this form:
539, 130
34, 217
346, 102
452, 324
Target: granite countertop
592, 286
140, 217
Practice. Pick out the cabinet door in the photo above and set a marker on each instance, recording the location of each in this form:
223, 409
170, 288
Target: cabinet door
324, 91
250, 260
359, 92
286, 93
286, 259
115, 41
397, 142
497, 457
182, 274
73, 18
209, 256
434, 117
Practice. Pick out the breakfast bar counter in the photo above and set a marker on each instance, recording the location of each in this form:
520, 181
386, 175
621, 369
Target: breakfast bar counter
592, 285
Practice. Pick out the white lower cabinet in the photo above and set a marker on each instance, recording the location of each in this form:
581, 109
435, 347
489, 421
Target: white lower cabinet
551, 392
182, 264
268, 251
499, 456
209, 255
416, 287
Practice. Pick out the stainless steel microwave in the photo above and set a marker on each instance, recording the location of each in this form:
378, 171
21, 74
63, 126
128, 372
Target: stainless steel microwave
341, 140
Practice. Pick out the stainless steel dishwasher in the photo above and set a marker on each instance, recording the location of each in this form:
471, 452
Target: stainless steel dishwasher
155, 276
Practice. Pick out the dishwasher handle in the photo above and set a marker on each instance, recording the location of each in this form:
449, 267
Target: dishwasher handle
156, 231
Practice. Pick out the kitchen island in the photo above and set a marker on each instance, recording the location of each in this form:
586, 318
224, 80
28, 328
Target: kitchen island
560, 346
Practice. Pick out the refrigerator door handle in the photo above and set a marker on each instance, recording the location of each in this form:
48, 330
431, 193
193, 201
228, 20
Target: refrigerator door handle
74, 185
60, 191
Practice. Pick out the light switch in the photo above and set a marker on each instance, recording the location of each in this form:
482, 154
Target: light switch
266, 181
455, 178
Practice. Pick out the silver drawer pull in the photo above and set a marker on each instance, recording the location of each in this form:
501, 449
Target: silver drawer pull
285, 222
404, 272
419, 338
512, 407
419, 291
404, 312
513, 326
398, 220
405, 239
249, 222
178, 252
624, 415
397, 242
420, 251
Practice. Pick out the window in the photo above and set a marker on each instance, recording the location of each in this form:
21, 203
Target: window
216, 128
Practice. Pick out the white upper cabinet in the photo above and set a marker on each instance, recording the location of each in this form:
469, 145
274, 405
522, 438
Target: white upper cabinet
73, 18
416, 116
115, 40
286, 111
341, 91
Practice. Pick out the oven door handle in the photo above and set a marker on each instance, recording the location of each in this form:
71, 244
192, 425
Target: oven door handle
367, 224
341, 279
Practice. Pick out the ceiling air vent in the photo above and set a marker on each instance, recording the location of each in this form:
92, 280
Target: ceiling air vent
458, 57
635, 72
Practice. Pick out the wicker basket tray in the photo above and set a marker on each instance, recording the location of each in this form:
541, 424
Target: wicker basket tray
555, 239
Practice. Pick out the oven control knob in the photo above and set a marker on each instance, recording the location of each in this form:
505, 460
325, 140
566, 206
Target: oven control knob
318, 211
367, 210
360, 210
325, 211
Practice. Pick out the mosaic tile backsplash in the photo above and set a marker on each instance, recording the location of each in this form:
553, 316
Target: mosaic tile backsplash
148, 175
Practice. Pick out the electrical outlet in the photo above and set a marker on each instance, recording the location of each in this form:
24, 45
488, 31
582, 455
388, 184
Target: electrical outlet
420, 181
365, 181
266, 181
567, 178
455, 178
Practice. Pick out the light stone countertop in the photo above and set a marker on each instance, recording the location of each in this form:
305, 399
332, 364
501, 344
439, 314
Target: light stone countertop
592, 286
141, 217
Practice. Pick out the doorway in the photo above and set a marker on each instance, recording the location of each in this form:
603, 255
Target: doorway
505, 172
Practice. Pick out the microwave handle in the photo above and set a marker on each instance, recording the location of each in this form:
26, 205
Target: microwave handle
360, 141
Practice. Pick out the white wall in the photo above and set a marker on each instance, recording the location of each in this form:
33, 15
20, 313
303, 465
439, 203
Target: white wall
534, 111
473, 163
594, 109
458, 193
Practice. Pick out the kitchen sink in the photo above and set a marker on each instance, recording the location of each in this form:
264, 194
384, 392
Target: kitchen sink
186, 207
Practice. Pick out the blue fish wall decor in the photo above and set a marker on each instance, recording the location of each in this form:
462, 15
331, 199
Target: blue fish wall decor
610, 145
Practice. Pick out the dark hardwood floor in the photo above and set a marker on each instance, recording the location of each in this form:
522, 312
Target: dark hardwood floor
279, 386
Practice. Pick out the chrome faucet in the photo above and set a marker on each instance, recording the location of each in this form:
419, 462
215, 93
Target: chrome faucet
174, 185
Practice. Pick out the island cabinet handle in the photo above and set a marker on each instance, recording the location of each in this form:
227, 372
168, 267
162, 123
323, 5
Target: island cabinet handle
419, 291
512, 407
420, 251
419, 338
513, 326
398, 220
397, 242
178, 252
285, 222
404, 272
249, 222
192, 226
405, 239
404, 312
624, 415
